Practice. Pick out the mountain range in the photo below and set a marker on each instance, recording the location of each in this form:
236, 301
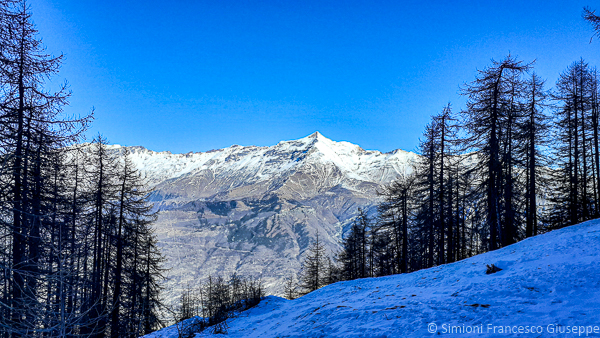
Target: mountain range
254, 210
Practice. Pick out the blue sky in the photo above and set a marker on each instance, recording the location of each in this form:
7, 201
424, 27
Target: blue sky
199, 75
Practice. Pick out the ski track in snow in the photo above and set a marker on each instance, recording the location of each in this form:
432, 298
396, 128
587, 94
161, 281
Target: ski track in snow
547, 280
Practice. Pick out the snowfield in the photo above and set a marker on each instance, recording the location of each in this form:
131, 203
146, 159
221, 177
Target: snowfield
549, 286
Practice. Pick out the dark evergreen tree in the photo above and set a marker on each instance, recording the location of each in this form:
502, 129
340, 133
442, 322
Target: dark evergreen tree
575, 150
133, 225
77, 253
435, 221
354, 258
313, 274
290, 287
394, 218
32, 130
102, 174
533, 131
349, 258
426, 187
595, 124
590, 16
490, 121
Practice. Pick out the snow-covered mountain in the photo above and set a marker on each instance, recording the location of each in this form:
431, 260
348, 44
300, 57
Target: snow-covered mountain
253, 210
549, 286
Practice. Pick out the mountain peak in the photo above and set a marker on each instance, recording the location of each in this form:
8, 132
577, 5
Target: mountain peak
316, 136
316, 140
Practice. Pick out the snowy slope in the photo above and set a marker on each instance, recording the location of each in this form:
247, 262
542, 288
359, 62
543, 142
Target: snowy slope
253, 210
549, 284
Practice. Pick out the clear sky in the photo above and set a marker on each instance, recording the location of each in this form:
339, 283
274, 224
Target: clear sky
187, 75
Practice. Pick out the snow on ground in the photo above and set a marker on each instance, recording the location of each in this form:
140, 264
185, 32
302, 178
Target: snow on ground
549, 285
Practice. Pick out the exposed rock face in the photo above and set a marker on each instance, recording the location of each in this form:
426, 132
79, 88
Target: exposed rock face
254, 210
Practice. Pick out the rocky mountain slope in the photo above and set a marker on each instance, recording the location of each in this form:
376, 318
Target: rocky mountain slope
254, 210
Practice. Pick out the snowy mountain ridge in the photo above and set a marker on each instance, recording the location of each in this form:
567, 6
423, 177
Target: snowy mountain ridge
263, 163
254, 210
548, 286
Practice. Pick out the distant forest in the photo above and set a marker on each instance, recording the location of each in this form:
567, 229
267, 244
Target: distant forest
77, 254
519, 160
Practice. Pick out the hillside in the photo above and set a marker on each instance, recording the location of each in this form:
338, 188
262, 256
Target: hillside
254, 210
549, 283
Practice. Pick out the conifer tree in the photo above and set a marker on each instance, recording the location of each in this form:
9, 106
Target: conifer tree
590, 16
289, 288
490, 120
534, 128
395, 215
77, 252
575, 149
434, 217
134, 216
349, 258
313, 274
32, 130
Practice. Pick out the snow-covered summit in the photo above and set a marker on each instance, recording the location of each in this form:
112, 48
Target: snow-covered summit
549, 286
247, 165
253, 210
